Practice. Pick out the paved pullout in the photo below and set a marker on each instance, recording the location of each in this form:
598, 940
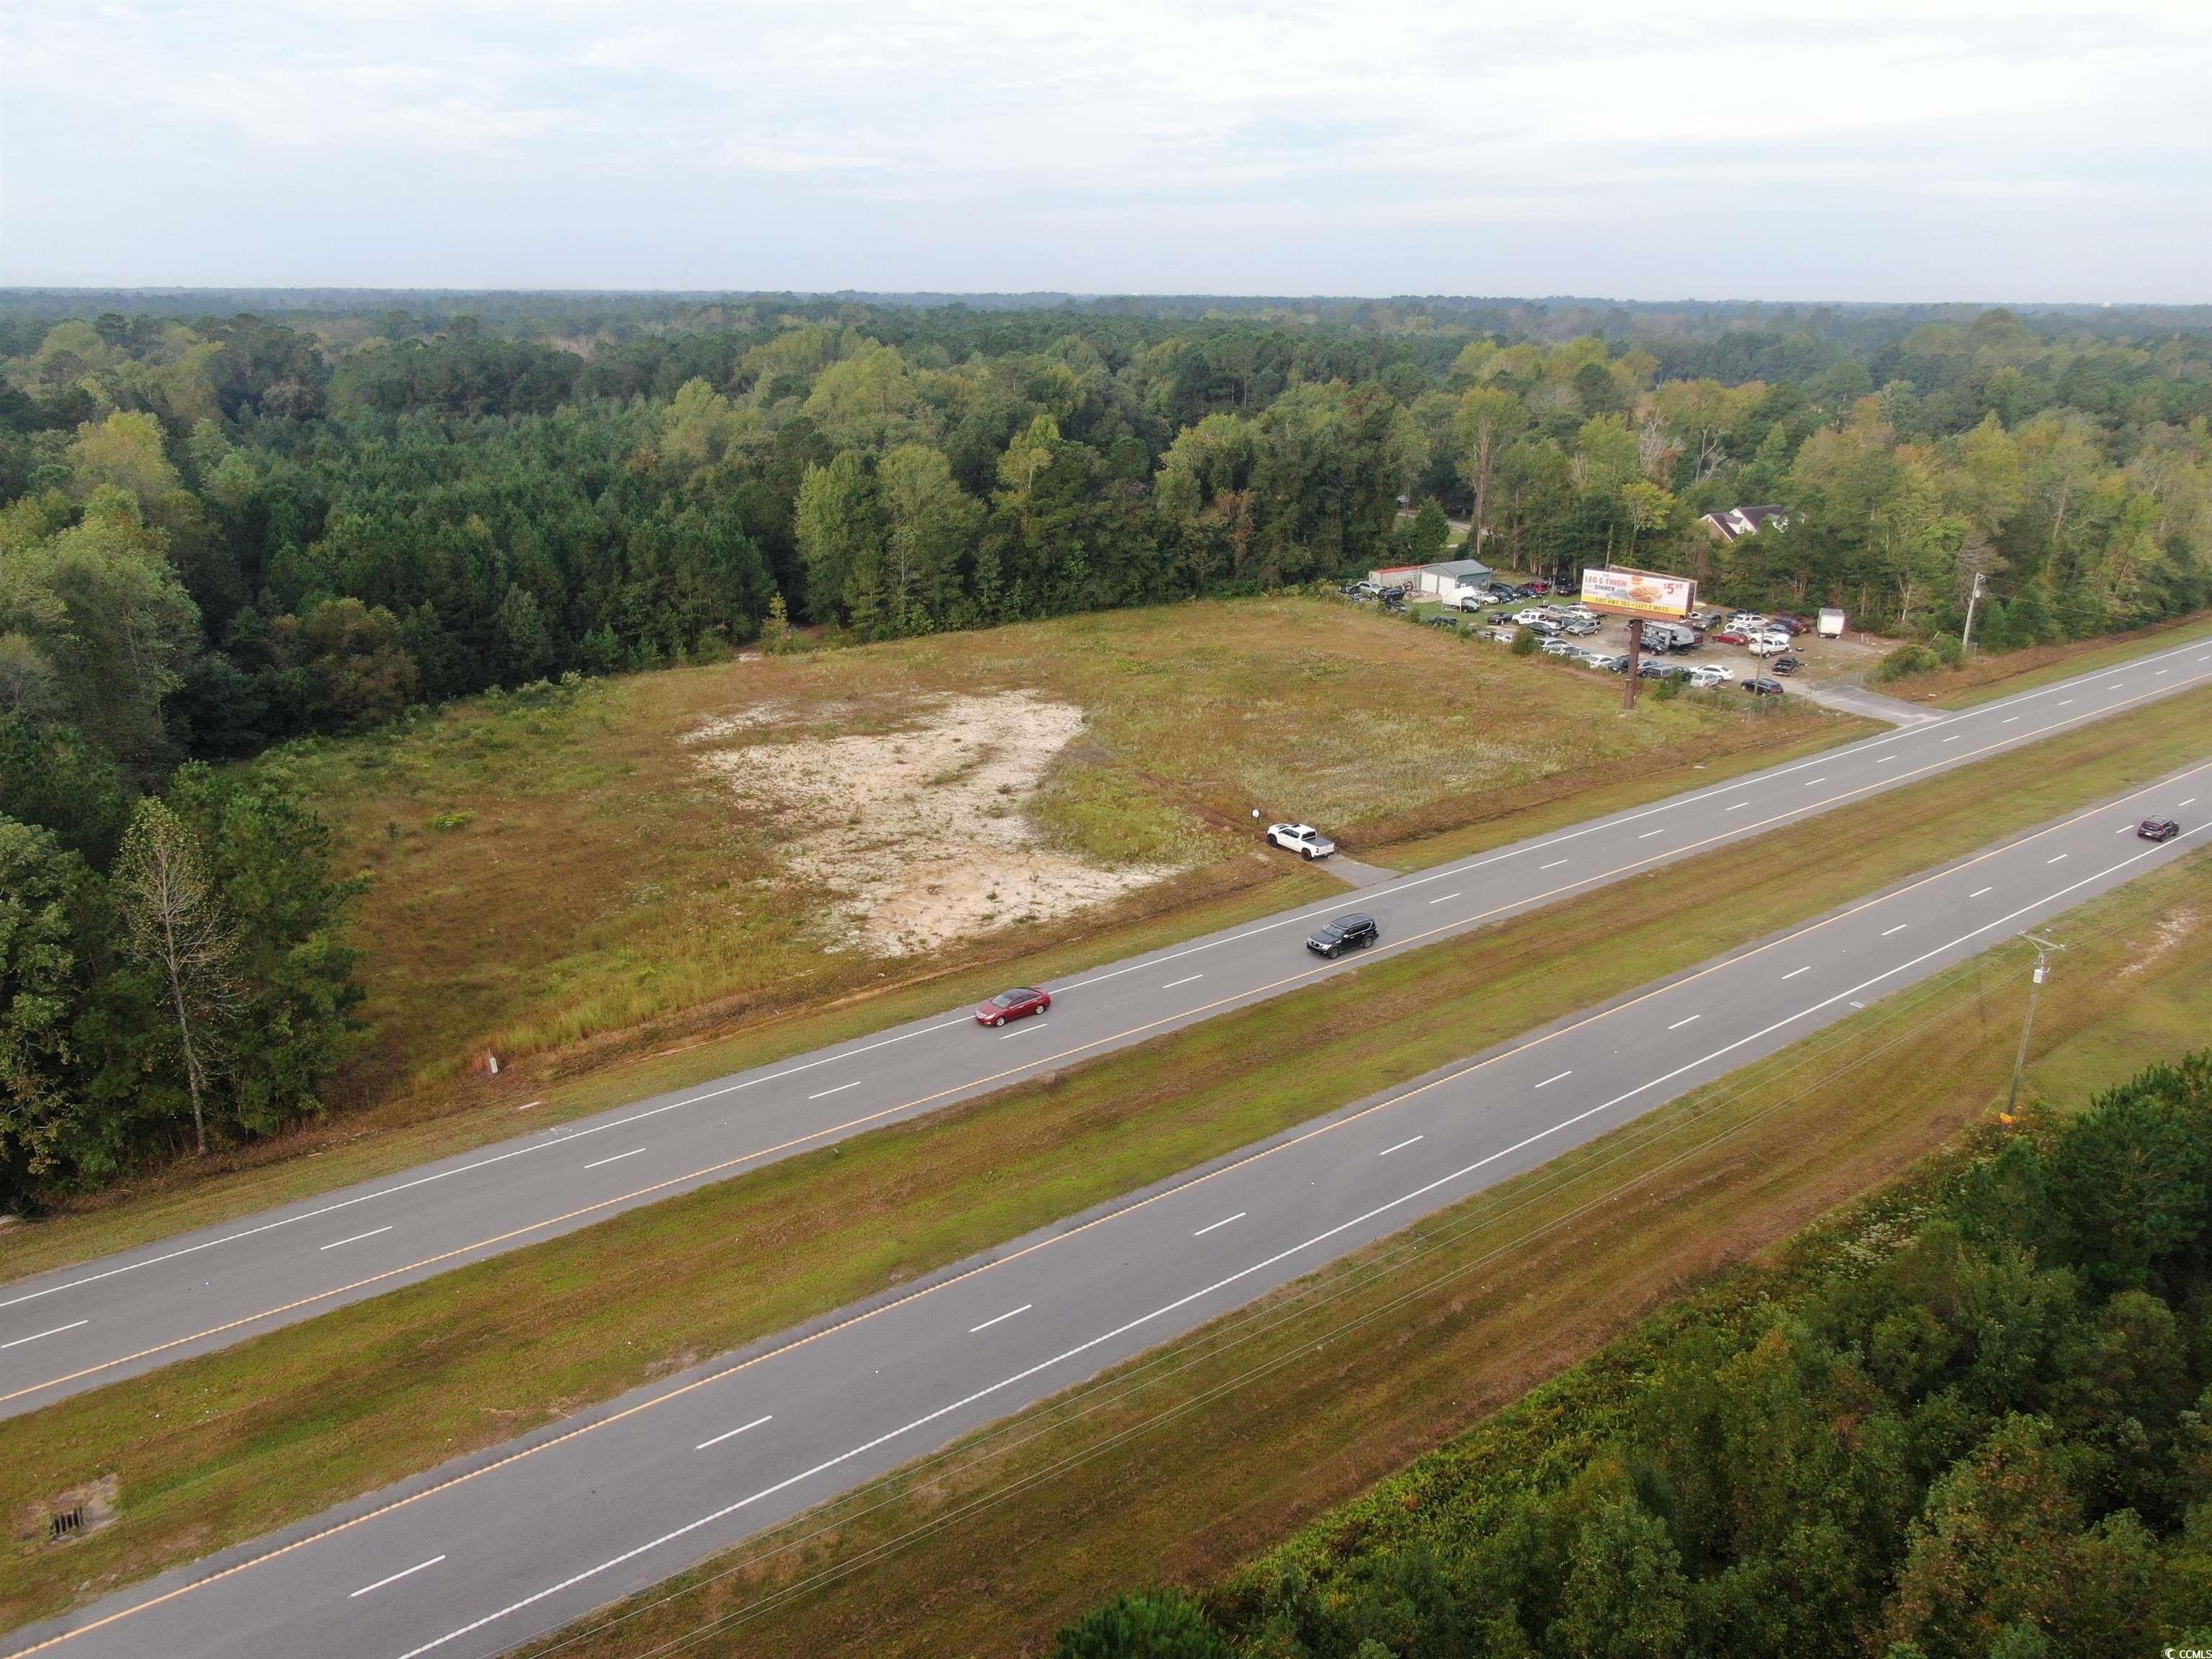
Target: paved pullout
77, 1328
472, 1559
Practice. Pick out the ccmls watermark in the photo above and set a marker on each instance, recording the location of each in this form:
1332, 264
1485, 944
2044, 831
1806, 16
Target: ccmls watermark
2186, 1652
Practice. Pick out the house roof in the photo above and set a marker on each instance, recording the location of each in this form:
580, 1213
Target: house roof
1732, 523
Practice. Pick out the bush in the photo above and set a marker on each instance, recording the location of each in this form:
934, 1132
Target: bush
1525, 643
1164, 1624
1906, 659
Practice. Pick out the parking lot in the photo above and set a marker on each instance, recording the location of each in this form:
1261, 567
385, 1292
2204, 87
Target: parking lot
1578, 637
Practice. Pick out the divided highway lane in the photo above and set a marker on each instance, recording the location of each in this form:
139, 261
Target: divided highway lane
78, 1327
472, 1559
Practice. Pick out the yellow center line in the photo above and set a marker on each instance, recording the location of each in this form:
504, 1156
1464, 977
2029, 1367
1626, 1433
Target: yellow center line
636, 1194
1077, 1229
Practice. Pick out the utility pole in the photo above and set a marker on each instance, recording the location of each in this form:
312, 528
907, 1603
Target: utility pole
2043, 948
1966, 634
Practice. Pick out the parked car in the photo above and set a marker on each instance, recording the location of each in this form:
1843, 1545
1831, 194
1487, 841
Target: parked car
1711, 673
1785, 664
1771, 643
1302, 839
1583, 627
1361, 590
1789, 625
2158, 829
1606, 662
1649, 669
1017, 1004
1704, 618
1354, 933
1732, 635
1442, 619
1531, 616
1539, 585
1502, 635
1560, 648
1763, 688
1747, 619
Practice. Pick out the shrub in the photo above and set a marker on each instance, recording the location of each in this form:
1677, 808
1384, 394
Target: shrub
1525, 643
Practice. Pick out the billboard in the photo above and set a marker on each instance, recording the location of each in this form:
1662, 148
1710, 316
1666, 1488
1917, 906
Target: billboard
1639, 593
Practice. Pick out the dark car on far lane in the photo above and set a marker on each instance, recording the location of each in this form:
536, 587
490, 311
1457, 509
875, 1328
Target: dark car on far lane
1012, 1004
2158, 829
1333, 937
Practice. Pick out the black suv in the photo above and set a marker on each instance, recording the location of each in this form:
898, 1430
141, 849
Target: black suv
2158, 829
1351, 933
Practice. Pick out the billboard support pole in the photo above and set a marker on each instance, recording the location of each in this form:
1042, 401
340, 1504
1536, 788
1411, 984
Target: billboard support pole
1635, 656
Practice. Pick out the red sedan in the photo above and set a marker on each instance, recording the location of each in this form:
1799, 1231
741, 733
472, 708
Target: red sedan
1733, 636
1012, 1004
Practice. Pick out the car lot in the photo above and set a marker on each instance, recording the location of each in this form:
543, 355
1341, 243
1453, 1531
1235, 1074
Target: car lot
1750, 652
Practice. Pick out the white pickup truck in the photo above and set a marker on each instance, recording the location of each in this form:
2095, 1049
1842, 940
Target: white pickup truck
1301, 838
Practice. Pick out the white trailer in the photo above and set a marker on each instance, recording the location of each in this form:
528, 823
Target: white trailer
1832, 624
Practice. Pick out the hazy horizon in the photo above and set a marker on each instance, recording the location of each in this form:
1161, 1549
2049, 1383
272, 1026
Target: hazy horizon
1942, 153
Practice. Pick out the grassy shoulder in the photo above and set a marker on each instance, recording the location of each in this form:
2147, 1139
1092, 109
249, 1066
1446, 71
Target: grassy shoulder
1219, 1457
227, 1446
1989, 676
417, 1126
571, 865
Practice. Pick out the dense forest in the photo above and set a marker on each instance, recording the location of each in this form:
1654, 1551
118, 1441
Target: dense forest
223, 530
1987, 1436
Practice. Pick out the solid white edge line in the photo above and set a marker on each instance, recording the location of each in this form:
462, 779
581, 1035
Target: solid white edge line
1182, 1302
1002, 1318
1676, 803
731, 1434
407, 1573
1651, 1082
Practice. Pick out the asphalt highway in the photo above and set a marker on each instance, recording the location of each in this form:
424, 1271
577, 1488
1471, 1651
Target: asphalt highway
473, 1559
78, 1327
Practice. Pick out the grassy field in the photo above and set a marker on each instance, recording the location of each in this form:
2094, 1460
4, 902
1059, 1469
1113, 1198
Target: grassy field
2006, 672
553, 867
468, 927
227, 1446
1191, 1462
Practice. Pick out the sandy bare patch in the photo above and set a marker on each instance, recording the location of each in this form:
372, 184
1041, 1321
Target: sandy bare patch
923, 835
2171, 931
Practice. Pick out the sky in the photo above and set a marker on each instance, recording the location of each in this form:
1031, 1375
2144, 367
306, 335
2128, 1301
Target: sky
1791, 149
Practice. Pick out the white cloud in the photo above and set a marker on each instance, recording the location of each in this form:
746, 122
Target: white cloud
1806, 150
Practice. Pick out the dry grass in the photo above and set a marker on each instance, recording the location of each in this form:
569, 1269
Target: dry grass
595, 876
229, 1445
1190, 1462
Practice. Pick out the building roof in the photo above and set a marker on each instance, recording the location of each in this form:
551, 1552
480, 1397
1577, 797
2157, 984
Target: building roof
1732, 523
1459, 567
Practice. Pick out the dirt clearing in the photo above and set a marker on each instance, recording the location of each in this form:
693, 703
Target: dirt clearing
924, 833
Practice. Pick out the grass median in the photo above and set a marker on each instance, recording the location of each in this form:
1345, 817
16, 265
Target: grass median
223, 1448
403, 1131
1202, 1456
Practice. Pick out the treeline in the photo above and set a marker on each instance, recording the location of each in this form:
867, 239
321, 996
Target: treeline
221, 533
1994, 1442
174, 973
